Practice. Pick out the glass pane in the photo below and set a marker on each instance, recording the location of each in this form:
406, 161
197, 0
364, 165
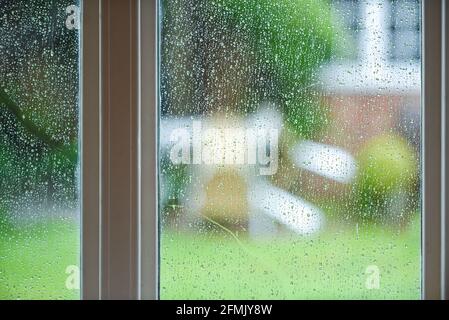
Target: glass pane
289, 166
39, 168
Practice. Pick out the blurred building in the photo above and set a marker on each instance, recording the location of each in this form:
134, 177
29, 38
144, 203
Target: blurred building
374, 87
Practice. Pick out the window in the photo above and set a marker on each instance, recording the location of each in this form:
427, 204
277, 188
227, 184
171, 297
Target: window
405, 29
285, 172
348, 14
39, 136
222, 149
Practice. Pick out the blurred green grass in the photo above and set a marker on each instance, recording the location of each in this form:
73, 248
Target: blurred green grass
330, 266
212, 265
34, 258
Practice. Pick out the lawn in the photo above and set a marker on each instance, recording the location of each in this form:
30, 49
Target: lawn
331, 266
33, 262
34, 258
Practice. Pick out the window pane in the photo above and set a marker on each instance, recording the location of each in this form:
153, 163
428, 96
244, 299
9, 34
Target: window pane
289, 168
39, 181
405, 27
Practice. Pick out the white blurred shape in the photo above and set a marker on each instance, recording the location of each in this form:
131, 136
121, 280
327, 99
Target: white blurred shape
296, 214
325, 160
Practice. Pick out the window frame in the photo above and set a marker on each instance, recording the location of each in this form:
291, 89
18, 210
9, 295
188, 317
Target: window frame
445, 151
432, 146
119, 201
90, 150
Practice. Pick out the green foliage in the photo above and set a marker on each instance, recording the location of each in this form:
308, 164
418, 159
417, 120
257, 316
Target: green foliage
38, 101
41, 88
250, 50
232, 55
2, 216
8, 170
4, 160
291, 37
306, 117
174, 184
387, 169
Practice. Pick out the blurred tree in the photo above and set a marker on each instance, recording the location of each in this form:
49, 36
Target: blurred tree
38, 101
388, 171
231, 55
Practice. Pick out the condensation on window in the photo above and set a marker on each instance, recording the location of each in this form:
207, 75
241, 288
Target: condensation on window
289, 149
39, 168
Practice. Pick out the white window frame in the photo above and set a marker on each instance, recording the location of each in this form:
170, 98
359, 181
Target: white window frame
119, 149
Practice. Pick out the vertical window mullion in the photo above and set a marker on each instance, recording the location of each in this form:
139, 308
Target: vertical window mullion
148, 110
110, 150
119, 150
